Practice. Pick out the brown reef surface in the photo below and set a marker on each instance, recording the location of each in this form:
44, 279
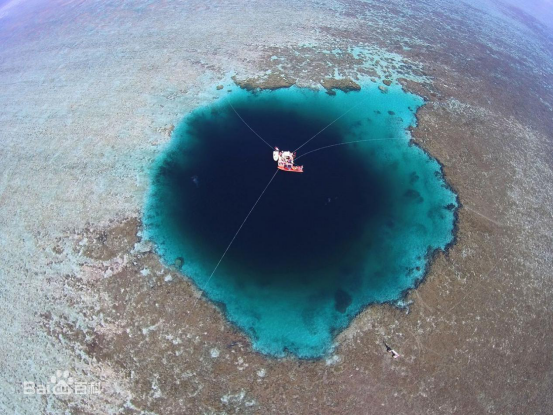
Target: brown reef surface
345, 85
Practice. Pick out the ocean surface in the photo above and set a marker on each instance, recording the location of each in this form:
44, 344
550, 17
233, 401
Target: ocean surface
358, 227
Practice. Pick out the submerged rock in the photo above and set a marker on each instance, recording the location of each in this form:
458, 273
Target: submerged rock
342, 300
414, 177
273, 81
413, 195
345, 85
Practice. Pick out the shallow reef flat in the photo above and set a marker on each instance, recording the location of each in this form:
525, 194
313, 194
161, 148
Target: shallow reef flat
92, 93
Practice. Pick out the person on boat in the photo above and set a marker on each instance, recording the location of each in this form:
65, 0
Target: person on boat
285, 160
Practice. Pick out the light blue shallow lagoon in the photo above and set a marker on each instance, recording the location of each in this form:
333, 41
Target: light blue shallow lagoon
358, 227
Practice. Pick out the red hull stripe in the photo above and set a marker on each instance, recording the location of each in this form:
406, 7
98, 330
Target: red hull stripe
291, 170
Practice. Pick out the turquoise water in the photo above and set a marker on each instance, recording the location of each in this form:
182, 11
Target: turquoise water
357, 228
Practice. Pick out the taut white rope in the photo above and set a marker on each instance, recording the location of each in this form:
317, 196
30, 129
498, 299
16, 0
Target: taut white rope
235, 235
349, 142
356, 105
247, 125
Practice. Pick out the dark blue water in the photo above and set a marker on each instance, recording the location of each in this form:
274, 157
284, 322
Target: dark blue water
356, 228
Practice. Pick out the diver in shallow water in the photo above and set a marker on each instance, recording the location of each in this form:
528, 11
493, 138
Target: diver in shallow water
394, 354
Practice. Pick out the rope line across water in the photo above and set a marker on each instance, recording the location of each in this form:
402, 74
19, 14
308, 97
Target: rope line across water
235, 235
349, 142
343, 115
253, 131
